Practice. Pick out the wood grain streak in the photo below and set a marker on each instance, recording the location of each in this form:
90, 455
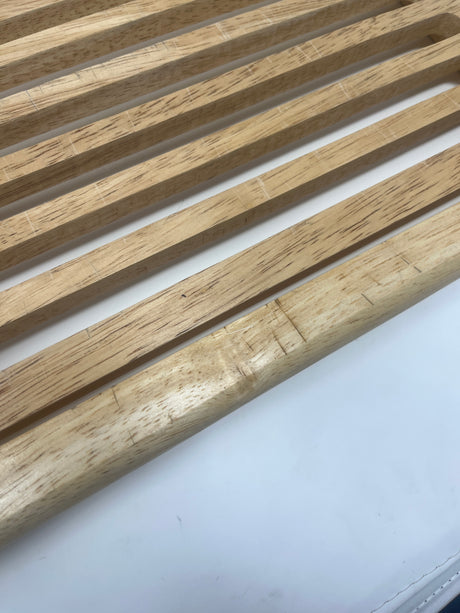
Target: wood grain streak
53, 223
101, 33
140, 72
24, 17
81, 362
52, 453
81, 450
101, 142
102, 270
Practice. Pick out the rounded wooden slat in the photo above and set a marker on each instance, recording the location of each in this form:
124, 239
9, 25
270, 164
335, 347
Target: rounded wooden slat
108, 267
79, 363
84, 449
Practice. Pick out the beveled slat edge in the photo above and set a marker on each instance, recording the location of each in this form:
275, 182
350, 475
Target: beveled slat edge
100, 33
93, 89
79, 212
18, 19
84, 149
69, 285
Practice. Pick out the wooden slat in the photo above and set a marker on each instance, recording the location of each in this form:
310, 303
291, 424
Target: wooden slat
69, 285
23, 17
81, 150
81, 450
116, 344
451, 17
100, 33
50, 224
61, 460
123, 78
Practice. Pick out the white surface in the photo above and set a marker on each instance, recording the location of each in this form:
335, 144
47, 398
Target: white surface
333, 492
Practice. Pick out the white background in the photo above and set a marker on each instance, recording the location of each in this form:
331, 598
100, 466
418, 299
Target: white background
332, 492
338, 490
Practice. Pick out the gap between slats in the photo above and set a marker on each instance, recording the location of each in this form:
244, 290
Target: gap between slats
20, 177
28, 16
65, 160
173, 238
82, 150
99, 310
111, 347
94, 36
81, 450
48, 225
126, 77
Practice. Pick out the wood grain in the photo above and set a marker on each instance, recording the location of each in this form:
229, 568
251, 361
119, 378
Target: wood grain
100, 33
47, 466
451, 18
79, 451
78, 364
24, 17
123, 78
77, 151
45, 226
71, 284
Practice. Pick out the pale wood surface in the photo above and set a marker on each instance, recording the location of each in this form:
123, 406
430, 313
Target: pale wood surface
50, 224
123, 78
79, 363
86, 148
107, 267
100, 33
51, 464
81, 450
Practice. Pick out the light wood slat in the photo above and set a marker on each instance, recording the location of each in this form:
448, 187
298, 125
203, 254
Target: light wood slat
82, 450
86, 359
69, 285
98, 34
89, 147
23, 17
53, 223
123, 78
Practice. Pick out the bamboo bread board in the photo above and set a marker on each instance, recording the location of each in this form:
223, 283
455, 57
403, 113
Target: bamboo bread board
68, 423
